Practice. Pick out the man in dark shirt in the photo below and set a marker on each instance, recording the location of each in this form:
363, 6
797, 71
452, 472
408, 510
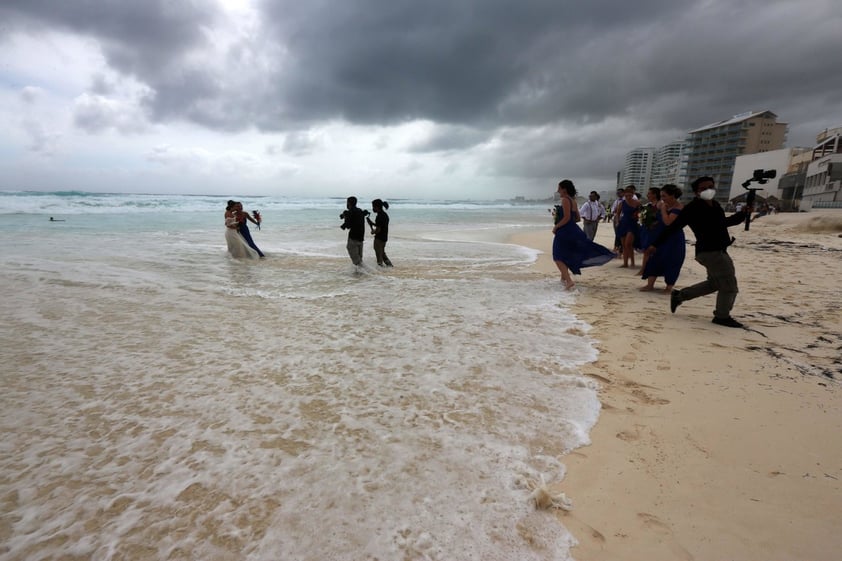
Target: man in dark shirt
709, 224
354, 222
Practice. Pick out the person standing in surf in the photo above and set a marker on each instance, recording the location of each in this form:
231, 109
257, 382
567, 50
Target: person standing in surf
237, 245
243, 218
380, 231
353, 220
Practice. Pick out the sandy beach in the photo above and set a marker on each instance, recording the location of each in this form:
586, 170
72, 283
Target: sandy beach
714, 443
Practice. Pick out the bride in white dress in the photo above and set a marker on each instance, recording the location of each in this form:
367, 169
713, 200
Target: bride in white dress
237, 246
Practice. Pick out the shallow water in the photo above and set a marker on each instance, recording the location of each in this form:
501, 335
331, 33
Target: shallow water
163, 401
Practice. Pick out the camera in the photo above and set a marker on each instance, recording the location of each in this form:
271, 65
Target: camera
761, 175
346, 217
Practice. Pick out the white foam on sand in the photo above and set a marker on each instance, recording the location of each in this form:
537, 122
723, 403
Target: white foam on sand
169, 409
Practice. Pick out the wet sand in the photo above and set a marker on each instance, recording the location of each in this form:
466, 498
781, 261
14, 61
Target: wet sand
714, 443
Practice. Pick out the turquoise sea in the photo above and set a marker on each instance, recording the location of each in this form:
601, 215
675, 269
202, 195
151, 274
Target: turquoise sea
162, 400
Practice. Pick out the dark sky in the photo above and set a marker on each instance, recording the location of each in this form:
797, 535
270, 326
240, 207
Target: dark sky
480, 96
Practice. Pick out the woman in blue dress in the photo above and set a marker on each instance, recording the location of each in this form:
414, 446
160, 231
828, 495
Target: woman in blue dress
669, 258
572, 250
243, 218
627, 228
649, 219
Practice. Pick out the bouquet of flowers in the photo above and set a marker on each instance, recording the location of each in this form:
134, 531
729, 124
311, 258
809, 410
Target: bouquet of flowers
256, 215
647, 216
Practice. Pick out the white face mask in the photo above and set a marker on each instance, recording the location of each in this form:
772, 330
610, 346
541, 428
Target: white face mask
707, 194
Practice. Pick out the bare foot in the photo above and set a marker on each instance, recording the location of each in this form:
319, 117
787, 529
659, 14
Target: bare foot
569, 285
624, 266
646, 288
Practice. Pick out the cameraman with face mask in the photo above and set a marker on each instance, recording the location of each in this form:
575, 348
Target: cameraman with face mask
709, 224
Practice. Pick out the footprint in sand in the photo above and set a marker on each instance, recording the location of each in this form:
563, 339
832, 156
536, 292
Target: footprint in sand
630, 435
652, 522
648, 399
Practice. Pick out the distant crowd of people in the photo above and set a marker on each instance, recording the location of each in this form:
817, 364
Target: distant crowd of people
655, 228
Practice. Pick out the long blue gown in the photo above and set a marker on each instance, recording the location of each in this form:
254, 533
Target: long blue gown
244, 231
648, 234
573, 248
669, 258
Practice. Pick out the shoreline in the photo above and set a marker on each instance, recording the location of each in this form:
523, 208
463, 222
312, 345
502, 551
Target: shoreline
714, 443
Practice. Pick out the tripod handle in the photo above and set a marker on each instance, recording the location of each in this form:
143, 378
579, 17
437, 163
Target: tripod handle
749, 204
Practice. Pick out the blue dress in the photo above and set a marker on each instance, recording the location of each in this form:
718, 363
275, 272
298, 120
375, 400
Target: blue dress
649, 234
628, 221
573, 248
669, 258
244, 231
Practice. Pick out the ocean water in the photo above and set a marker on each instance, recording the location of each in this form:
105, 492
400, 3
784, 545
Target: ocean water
161, 400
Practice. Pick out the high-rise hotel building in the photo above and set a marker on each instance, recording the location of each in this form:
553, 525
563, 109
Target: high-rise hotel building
652, 167
666, 167
637, 170
713, 149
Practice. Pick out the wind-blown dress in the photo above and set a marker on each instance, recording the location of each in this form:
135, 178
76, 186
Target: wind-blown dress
246, 233
237, 245
573, 248
669, 258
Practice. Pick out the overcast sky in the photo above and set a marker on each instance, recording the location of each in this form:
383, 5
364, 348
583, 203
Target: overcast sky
450, 99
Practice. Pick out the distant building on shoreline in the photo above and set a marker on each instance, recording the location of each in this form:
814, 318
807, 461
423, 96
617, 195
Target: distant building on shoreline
652, 167
778, 160
637, 170
713, 149
730, 151
666, 167
806, 177
823, 176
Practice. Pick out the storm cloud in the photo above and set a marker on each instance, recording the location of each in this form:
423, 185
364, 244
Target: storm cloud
526, 88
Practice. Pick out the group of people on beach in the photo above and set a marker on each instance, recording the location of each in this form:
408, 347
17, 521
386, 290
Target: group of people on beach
638, 224
241, 244
654, 227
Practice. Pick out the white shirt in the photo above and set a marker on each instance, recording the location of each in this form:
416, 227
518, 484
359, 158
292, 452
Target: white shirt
592, 210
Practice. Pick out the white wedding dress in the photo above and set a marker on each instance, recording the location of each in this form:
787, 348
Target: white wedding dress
237, 246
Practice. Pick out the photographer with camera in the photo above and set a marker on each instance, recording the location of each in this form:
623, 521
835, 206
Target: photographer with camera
353, 220
709, 224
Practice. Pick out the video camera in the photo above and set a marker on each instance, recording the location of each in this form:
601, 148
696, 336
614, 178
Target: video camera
760, 176
346, 217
